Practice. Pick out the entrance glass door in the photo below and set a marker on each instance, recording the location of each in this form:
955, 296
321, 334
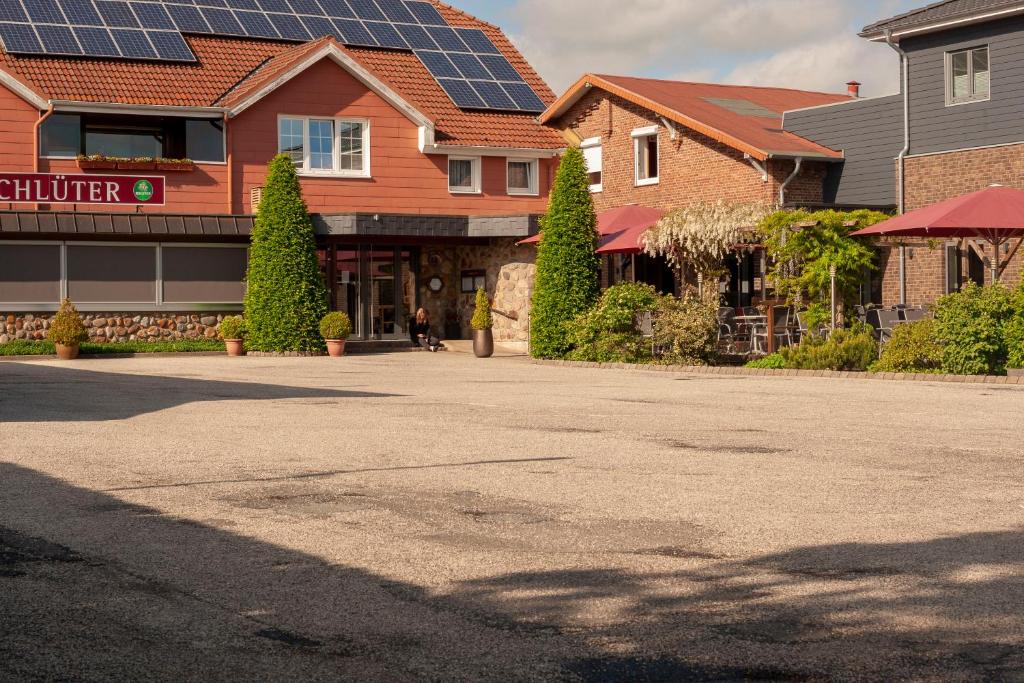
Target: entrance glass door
375, 285
347, 295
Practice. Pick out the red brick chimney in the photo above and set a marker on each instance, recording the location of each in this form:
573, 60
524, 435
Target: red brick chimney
853, 87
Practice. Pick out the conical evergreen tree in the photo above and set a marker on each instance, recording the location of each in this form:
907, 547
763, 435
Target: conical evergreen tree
567, 262
285, 298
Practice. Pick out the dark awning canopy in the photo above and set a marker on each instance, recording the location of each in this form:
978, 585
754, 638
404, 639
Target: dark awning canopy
67, 223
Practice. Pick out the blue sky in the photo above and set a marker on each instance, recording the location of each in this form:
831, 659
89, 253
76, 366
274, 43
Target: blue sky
810, 44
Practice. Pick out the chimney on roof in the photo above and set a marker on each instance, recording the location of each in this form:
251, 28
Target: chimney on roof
853, 88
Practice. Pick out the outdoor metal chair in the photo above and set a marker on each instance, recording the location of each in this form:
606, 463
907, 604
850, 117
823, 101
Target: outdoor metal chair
912, 315
803, 329
645, 325
883, 321
783, 335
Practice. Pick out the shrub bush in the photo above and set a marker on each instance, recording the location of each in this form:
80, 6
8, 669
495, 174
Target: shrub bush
482, 319
336, 325
969, 325
845, 349
912, 348
686, 330
774, 361
567, 265
67, 327
1013, 332
285, 296
608, 332
232, 327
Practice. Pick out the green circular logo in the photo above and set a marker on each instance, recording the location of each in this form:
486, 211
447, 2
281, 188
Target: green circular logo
143, 190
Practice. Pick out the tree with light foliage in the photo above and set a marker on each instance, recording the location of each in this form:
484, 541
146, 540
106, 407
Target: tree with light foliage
696, 239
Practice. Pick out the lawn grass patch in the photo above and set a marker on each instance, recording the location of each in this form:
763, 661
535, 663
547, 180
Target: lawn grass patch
45, 348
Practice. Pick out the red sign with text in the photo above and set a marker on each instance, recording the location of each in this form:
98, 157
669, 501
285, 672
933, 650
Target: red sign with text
73, 188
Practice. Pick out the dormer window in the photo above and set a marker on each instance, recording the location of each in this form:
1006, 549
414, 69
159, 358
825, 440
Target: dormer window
967, 76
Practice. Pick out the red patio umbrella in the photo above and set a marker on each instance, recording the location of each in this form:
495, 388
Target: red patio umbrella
620, 229
995, 214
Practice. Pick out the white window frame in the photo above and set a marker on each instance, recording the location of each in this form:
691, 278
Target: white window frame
639, 136
336, 171
534, 189
475, 173
952, 101
591, 143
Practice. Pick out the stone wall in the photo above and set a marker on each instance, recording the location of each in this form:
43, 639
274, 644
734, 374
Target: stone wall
509, 271
118, 327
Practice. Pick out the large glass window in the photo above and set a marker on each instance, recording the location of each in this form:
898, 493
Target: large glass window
111, 274
522, 176
464, 174
335, 146
124, 142
30, 273
204, 140
203, 274
61, 136
968, 75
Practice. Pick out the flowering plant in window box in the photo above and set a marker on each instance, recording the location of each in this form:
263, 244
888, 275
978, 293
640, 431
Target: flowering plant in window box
175, 164
96, 162
136, 164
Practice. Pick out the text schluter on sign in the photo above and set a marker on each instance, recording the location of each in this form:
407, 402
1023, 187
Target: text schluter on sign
75, 188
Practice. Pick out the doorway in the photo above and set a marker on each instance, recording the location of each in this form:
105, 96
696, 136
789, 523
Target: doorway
375, 285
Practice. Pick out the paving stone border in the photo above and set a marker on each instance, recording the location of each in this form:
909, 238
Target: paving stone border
1016, 378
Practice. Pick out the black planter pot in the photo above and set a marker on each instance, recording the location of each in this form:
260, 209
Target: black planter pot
483, 343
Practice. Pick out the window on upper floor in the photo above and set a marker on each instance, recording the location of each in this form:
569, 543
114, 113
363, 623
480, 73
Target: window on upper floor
522, 176
65, 136
326, 146
464, 175
591, 148
967, 76
645, 155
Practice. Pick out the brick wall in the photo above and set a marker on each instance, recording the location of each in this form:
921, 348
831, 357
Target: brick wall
935, 178
693, 167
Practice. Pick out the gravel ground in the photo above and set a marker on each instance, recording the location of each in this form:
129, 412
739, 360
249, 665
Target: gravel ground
436, 517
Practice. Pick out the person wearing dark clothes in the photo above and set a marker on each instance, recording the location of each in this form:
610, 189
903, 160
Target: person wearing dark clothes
419, 332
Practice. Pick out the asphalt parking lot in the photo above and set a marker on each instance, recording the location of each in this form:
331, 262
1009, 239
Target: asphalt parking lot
437, 517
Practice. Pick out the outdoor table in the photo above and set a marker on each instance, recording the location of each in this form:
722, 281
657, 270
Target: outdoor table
749, 322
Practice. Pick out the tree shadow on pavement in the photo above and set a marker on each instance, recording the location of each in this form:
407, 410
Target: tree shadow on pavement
95, 587
31, 392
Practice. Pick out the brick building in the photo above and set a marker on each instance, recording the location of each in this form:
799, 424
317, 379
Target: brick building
954, 128
412, 126
667, 144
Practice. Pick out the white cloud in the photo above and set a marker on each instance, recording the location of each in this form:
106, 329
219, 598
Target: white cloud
748, 41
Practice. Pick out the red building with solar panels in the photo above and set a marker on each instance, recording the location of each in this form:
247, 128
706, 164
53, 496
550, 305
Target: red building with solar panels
135, 137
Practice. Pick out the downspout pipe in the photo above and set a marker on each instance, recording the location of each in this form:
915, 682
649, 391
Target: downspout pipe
37, 144
901, 160
228, 158
792, 176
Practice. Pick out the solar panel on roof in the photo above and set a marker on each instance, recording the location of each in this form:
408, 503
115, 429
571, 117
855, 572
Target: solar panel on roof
44, 11
477, 41
170, 45
426, 13
133, 43
11, 10
96, 41
58, 40
467, 64
367, 9
461, 93
222, 21
152, 15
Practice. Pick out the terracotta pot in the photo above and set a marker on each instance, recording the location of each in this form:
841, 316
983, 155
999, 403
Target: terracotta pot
335, 348
67, 352
235, 347
483, 343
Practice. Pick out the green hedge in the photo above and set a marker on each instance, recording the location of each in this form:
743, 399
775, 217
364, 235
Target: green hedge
608, 332
912, 348
969, 325
567, 265
43, 348
285, 297
845, 349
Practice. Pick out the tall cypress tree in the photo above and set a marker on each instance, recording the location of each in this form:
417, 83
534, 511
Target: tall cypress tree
285, 298
567, 262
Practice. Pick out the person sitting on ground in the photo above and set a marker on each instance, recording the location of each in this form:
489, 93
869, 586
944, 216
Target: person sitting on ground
419, 332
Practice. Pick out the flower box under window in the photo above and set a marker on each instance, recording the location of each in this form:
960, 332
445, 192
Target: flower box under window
175, 166
97, 164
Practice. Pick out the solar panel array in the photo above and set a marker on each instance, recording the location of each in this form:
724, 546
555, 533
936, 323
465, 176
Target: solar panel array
470, 68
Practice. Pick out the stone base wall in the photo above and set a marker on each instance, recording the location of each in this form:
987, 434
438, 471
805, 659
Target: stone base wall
118, 327
509, 273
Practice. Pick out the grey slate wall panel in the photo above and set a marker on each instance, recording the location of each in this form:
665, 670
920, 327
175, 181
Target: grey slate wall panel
935, 127
869, 132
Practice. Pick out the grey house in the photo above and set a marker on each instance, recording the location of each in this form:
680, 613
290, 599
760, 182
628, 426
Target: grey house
956, 126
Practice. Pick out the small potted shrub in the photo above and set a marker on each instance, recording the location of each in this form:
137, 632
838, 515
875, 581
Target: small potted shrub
232, 331
483, 337
67, 331
335, 328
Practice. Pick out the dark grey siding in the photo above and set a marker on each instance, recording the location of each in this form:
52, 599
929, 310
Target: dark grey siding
869, 132
934, 127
